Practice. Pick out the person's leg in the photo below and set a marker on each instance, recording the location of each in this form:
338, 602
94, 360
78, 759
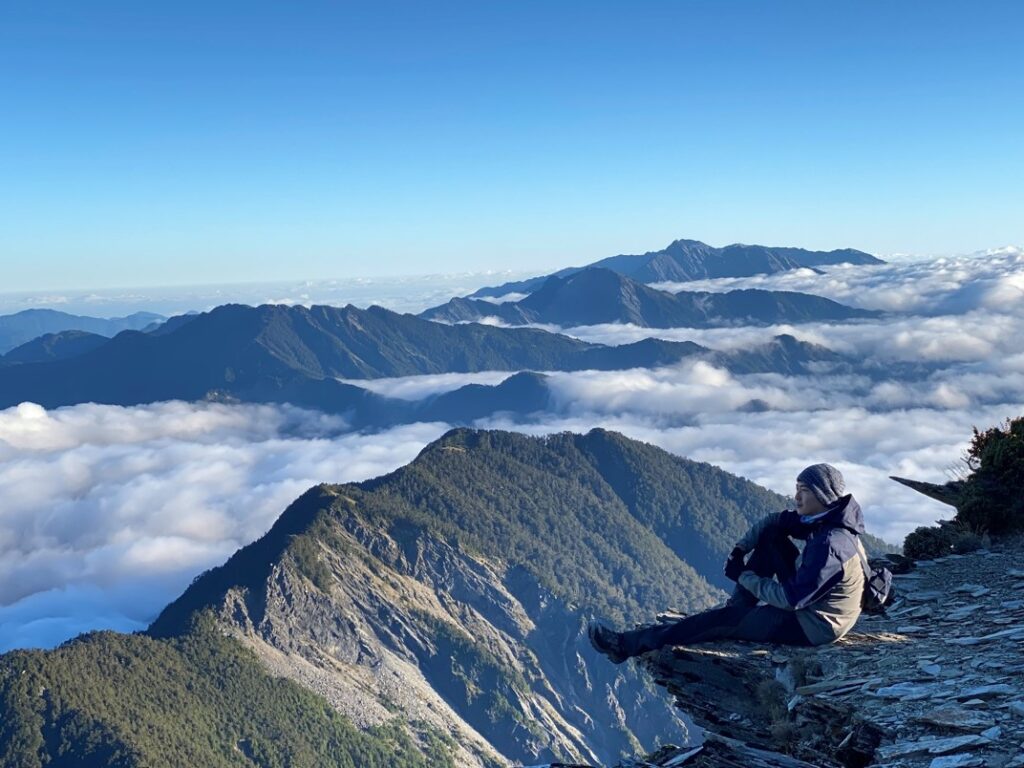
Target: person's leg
774, 556
768, 624
763, 624
639, 641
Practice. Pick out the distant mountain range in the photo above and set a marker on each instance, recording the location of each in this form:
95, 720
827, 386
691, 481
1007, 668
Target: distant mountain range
54, 346
599, 295
685, 260
30, 324
278, 354
447, 599
294, 354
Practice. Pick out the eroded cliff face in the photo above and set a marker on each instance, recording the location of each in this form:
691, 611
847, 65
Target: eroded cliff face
389, 623
938, 682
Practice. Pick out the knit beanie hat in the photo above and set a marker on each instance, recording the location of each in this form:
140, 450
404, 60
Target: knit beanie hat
825, 481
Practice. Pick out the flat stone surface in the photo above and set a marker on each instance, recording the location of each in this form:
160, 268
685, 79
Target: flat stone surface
962, 612
956, 761
829, 685
1012, 632
966, 588
925, 595
955, 718
987, 691
907, 691
930, 745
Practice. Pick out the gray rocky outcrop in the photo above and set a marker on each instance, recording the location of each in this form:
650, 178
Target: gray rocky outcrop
936, 683
402, 626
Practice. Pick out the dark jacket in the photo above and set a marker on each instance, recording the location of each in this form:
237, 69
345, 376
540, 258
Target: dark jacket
827, 588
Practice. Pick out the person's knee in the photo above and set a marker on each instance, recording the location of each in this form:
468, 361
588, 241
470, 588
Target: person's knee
770, 533
774, 540
774, 555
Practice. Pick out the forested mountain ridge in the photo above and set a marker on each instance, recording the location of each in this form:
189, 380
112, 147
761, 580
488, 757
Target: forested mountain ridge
54, 346
492, 491
30, 324
441, 605
198, 699
296, 355
685, 260
597, 295
274, 353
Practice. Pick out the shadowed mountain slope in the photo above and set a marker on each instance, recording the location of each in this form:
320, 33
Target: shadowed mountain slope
275, 354
54, 346
488, 551
484, 556
294, 354
596, 295
29, 324
521, 394
685, 260
784, 354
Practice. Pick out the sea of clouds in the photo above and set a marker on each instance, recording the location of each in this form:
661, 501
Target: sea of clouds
930, 286
110, 512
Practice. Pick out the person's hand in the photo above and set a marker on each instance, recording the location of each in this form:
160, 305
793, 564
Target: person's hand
734, 566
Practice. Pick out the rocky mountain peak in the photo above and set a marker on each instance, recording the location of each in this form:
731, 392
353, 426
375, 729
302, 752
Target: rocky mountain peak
444, 592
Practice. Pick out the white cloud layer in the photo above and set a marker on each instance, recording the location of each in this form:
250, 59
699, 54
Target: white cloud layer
418, 387
976, 336
109, 512
935, 285
967, 309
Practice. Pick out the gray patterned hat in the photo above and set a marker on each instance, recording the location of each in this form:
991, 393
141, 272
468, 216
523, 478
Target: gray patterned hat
825, 481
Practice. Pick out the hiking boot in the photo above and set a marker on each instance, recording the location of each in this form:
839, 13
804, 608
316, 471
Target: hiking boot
607, 641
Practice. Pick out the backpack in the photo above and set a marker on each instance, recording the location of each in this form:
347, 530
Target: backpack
878, 591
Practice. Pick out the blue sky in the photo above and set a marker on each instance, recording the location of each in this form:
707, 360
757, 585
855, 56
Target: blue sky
184, 143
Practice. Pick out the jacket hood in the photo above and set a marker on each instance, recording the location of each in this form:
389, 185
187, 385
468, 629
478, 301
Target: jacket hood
844, 512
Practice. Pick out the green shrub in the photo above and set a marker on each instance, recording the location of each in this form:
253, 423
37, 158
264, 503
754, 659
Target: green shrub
927, 543
966, 540
992, 499
948, 538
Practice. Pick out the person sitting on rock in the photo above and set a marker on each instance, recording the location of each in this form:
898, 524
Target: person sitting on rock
811, 598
